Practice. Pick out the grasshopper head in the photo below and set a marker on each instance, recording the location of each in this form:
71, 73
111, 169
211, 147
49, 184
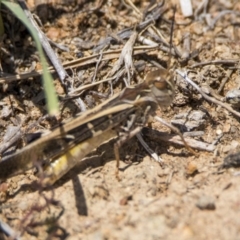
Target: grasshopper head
161, 87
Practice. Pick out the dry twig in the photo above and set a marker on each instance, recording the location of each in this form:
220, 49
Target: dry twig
208, 98
176, 139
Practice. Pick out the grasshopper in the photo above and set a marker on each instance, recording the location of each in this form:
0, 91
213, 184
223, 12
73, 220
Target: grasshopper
122, 116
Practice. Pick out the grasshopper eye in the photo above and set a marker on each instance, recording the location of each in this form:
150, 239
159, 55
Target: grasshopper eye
156, 76
161, 85
164, 84
160, 80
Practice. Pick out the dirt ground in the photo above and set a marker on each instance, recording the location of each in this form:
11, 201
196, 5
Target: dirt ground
188, 197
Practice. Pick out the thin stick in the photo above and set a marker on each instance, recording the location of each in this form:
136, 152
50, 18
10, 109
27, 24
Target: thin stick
173, 138
229, 73
5, 228
219, 61
213, 100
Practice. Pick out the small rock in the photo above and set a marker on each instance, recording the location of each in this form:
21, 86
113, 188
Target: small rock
191, 168
186, 7
232, 160
189, 121
218, 131
125, 200
233, 97
206, 203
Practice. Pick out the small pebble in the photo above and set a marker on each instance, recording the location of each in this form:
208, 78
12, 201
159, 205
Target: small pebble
124, 200
186, 7
233, 97
191, 168
218, 131
206, 203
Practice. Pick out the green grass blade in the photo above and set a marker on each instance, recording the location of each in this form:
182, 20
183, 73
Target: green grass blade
51, 97
1, 24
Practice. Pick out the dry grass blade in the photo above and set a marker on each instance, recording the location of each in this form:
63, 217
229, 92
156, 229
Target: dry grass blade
107, 55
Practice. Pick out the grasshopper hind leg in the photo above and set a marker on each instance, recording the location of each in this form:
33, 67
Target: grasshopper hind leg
128, 133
